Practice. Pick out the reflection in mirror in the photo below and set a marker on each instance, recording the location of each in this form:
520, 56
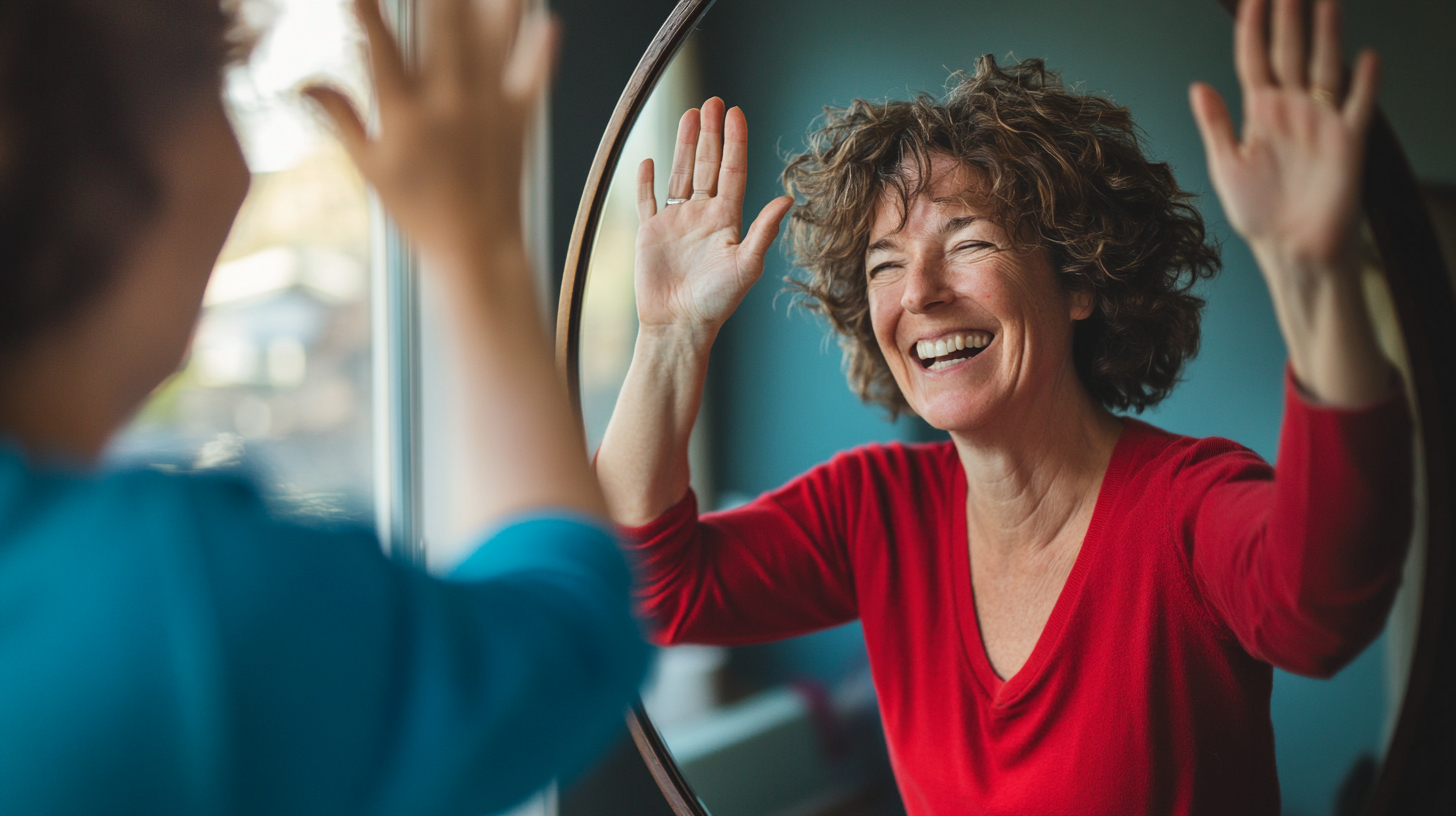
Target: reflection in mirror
278, 375
777, 404
808, 741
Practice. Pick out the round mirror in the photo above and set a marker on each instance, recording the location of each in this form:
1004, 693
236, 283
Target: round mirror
792, 726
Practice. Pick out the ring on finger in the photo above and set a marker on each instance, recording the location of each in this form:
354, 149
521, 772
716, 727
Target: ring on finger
672, 201
1325, 96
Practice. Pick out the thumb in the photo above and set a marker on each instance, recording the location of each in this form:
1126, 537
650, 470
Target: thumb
1215, 124
345, 118
764, 229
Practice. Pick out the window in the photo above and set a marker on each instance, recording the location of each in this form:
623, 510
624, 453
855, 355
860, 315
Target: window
279, 372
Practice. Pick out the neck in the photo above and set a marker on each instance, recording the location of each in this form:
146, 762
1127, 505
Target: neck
61, 397
1032, 476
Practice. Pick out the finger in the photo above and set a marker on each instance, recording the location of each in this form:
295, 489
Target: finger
346, 120
710, 149
386, 64
764, 229
1325, 72
646, 197
446, 30
1286, 51
680, 183
533, 60
502, 23
1364, 81
1251, 52
1215, 124
733, 177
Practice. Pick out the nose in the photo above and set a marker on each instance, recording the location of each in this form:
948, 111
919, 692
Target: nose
926, 285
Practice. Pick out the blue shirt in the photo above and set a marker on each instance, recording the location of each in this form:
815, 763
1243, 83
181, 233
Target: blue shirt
168, 647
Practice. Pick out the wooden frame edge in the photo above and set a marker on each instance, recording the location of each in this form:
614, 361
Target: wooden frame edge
664, 46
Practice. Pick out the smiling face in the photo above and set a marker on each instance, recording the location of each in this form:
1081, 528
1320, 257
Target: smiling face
973, 329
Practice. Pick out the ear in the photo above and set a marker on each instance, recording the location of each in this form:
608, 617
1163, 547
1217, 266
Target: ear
1082, 303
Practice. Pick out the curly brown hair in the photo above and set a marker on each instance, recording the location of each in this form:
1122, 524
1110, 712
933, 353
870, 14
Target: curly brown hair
1061, 171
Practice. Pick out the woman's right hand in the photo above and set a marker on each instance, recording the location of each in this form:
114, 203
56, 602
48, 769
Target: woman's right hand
448, 155
692, 268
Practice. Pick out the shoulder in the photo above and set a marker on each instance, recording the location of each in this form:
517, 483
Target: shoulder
878, 479
136, 519
896, 460
1174, 467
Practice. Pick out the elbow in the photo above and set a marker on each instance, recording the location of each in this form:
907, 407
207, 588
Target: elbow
1321, 646
1322, 666
663, 629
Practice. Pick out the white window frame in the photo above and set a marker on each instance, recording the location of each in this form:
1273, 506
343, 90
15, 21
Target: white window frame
408, 373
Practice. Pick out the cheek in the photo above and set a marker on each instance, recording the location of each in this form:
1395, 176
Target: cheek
884, 313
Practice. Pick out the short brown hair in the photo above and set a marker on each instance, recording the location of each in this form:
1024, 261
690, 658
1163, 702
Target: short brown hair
86, 87
1062, 171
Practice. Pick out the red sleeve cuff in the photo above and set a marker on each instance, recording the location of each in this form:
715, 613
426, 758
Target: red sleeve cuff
673, 518
1296, 392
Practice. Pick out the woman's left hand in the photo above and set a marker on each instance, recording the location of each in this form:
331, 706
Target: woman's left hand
1291, 186
1292, 183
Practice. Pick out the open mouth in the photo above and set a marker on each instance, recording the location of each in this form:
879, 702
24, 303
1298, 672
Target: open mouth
947, 351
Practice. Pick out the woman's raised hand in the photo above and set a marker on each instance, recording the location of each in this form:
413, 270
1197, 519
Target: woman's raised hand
447, 162
692, 268
1291, 185
448, 156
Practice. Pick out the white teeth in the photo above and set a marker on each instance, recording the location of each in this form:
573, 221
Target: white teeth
928, 349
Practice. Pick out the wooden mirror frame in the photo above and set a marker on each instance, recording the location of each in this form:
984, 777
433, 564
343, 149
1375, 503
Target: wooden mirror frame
1418, 775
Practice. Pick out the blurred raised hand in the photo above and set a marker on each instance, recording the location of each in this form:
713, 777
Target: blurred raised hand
447, 161
448, 155
1290, 185
692, 268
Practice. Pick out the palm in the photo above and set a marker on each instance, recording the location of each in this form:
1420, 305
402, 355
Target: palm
1291, 183
692, 267
1294, 177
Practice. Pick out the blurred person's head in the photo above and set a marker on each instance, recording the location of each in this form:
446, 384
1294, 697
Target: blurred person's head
1055, 180
119, 180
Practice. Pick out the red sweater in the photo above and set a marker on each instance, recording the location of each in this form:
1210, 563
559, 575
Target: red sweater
1148, 690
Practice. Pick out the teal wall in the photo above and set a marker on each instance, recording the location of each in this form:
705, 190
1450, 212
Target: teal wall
779, 401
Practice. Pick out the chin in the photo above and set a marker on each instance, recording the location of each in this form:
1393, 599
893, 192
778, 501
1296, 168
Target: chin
955, 413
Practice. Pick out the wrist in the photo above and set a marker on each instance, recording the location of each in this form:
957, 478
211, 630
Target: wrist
1302, 279
675, 340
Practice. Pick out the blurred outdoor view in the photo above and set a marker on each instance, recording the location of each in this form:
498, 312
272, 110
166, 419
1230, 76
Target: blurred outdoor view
278, 378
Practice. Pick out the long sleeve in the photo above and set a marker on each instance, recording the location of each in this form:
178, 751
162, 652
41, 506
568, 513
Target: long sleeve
1302, 563
776, 567
166, 647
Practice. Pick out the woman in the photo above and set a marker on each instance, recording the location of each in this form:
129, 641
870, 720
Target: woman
1066, 611
167, 647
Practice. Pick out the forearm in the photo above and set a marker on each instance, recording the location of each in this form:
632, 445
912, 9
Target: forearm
1304, 566
642, 465
523, 446
1322, 314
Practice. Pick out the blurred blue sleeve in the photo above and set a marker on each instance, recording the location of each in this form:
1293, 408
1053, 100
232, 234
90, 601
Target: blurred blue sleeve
167, 647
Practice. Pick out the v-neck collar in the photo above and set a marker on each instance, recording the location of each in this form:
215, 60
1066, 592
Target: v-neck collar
1005, 694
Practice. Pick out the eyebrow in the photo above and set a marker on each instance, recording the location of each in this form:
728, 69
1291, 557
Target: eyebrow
951, 225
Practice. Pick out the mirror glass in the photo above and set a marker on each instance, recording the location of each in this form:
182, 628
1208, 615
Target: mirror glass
792, 727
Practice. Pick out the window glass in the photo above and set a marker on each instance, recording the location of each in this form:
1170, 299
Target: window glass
278, 375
